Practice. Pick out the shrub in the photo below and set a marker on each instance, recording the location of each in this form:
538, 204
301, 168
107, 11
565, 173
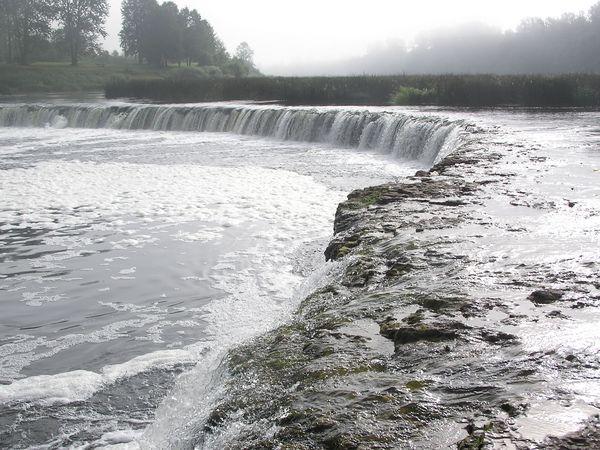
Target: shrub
187, 73
407, 95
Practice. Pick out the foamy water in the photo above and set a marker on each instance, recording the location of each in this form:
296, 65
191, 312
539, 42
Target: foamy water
132, 256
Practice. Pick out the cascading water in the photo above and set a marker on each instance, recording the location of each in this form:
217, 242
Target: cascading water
401, 135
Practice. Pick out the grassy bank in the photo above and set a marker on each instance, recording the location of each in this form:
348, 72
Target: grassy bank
445, 90
62, 77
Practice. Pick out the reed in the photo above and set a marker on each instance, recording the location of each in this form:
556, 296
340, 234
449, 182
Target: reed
443, 90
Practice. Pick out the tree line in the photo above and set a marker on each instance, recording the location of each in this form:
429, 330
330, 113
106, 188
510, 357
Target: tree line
160, 34
155, 34
554, 45
36, 29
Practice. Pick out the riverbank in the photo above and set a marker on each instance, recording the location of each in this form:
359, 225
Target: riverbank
462, 314
440, 90
62, 77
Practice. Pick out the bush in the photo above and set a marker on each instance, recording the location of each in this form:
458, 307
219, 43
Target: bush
407, 95
187, 73
213, 71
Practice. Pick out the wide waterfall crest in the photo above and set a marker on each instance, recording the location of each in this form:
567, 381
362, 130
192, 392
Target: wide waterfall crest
401, 135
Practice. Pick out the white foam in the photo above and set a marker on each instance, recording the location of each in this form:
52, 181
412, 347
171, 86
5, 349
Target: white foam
225, 196
80, 385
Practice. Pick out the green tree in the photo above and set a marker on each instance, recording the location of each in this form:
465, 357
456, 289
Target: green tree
198, 38
25, 22
135, 15
161, 36
83, 23
221, 56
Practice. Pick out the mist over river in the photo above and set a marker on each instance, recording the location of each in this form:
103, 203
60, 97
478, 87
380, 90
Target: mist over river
141, 242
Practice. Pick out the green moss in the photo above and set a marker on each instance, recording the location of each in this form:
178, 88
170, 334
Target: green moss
363, 200
343, 251
416, 385
398, 270
414, 318
332, 372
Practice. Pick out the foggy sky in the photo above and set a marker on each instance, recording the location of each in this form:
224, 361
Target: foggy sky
286, 34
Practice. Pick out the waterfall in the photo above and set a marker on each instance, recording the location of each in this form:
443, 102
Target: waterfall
401, 135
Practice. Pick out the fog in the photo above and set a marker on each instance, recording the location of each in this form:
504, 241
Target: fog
351, 36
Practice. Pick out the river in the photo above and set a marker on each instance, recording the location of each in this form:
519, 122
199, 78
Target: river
141, 242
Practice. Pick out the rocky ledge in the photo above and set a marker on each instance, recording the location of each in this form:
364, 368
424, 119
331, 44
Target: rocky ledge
423, 340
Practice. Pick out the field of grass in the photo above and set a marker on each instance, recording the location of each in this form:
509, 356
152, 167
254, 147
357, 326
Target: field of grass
61, 77
444, 90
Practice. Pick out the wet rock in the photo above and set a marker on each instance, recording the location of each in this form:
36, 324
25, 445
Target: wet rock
545, 296
341, 442
359, 365
557, 315
416, 385
398, 267
476, 439
499, 337
338, 248
586, 438
402, 334
513, 410
322, 424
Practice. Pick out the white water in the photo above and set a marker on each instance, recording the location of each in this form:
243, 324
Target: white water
142, 241
401, 135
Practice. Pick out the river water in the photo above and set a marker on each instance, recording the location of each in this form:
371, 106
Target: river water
140, 242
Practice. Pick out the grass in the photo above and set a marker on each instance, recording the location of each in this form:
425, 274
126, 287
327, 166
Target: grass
61, 77
444, 90
123, 78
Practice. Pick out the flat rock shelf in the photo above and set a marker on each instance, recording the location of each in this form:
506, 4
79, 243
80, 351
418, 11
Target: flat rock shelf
440, 330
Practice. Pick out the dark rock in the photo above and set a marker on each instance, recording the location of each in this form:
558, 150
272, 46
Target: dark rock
402, 334
545, 296
499, 337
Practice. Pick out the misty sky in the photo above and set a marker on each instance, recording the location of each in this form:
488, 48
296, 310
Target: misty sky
286, 33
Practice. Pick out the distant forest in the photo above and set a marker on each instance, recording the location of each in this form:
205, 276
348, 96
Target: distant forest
569, 44
161, 35
153, 33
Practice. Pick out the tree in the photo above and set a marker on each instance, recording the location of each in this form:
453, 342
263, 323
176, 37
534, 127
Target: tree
32, 22
135, 16
161, 36
221, 56
244, 53
594, 13
23, 23
83, 23
7, 14
198, 38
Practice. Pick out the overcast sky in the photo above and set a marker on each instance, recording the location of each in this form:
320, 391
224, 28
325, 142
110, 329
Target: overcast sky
309, 31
